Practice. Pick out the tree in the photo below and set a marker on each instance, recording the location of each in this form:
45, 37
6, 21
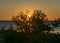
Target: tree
35, 23
32, 26
38, 20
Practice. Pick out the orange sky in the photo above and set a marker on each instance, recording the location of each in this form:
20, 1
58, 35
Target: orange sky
11, 7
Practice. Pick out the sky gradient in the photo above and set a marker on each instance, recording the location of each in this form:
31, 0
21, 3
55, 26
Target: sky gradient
11, 7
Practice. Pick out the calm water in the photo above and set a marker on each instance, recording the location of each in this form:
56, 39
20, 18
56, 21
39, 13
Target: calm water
6, 24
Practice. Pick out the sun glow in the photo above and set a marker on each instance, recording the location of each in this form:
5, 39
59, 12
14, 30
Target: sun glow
29, 15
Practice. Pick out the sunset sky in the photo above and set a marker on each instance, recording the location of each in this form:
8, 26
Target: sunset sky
11, 7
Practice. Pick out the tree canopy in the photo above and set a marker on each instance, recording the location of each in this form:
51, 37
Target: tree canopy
36, 22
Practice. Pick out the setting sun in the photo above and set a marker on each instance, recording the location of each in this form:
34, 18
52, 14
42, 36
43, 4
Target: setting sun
29, 15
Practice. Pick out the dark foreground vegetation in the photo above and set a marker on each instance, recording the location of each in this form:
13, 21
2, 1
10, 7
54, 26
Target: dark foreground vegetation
11, 36
30, 29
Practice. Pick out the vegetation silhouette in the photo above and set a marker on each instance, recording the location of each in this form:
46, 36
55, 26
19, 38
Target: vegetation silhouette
35, 23
56, 22
29, 30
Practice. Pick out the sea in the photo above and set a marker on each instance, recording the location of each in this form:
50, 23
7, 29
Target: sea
6, 25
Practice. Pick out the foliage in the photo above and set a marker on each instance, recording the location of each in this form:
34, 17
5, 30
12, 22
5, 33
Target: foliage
31, 26
34, 23
12, 36
56, 22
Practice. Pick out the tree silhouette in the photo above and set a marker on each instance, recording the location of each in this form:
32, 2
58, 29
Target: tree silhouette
31, 27
35, 23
